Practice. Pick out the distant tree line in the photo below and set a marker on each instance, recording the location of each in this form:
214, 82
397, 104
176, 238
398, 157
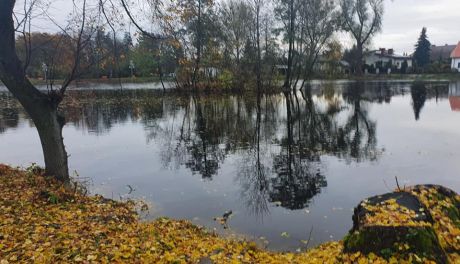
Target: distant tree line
103, 57
229, 43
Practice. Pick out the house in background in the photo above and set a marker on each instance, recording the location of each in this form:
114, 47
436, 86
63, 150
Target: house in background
455, 56
209, 72
386, 61
441, 53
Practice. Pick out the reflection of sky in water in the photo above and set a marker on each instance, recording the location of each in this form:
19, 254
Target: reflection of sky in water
195, 158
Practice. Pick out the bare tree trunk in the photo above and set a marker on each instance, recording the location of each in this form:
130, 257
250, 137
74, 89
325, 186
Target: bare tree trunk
49, 123
198, 47
359, 59
287, 82
259, 56
49, 127
41, 108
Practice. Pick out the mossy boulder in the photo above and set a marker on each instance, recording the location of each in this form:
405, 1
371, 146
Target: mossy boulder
389, 241
395, 223
444, 207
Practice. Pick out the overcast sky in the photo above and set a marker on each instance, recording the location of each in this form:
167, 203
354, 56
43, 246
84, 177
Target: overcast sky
402, 24
404, 19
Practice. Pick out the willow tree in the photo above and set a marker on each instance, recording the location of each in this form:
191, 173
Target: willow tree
362, 19
41, 106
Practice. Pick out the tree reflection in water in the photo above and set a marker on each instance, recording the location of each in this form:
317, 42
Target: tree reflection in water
280, 139
9, 112
298, 176
418, 93
253, 173
356, 139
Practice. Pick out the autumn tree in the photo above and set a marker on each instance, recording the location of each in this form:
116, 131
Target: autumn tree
44, 51
333, 55
362, 19
422, 50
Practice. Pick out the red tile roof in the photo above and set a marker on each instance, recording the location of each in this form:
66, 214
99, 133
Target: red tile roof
456, 52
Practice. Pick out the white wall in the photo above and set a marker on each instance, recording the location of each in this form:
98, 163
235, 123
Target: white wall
373, 59
456, 64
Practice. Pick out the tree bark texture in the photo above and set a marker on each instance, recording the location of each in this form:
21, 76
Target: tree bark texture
42, 108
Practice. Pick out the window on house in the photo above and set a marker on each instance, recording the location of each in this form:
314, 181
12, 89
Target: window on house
458, 65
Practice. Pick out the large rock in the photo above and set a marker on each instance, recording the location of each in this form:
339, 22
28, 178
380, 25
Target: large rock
394, 223
444, 207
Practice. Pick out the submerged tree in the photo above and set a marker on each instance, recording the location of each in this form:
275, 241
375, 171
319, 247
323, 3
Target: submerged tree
363, 19
287, 11
317, 22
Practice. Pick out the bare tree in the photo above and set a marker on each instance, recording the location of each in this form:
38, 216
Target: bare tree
317, 22
257, 9
286, 11
236, 18
42, 107
363, 19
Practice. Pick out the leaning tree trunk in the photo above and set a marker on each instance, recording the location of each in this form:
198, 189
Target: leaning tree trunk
42, 108
49, 123
49, 127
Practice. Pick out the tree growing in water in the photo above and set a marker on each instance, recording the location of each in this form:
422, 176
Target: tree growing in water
422, 50
363, 19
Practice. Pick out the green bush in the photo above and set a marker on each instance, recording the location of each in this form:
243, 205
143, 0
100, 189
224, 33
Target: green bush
226, 79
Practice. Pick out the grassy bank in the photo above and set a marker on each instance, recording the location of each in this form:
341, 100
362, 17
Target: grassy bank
42, 221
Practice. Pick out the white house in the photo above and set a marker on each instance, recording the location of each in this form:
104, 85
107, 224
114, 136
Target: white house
382, 57
210, 72
455, 55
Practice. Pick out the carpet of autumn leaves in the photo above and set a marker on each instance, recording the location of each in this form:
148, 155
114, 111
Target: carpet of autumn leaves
42, 221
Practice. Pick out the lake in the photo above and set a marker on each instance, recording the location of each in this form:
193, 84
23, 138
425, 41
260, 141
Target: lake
289, 166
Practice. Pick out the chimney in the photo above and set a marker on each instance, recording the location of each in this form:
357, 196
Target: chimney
391, 51
382, 51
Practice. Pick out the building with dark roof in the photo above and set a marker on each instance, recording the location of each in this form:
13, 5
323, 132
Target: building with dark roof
441, 53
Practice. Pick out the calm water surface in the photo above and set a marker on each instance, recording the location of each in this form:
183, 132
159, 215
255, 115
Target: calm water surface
286, 165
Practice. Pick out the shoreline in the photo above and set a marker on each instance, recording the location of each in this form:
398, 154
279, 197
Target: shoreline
391, 77
45, 222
